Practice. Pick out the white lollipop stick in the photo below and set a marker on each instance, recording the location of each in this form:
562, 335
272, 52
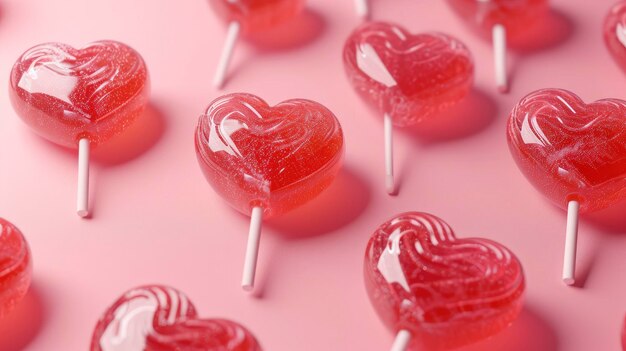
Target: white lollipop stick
82, 195
252, 250
571, 238
362, 8
499, 56
227, 52
389, 181
402, 341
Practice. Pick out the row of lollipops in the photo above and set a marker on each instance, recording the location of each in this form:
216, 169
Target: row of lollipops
431, 289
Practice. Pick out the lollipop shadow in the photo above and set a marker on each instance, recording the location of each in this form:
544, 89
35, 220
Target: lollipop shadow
611, 220
293, 34
22, 325
555, 30
337, 206
529, 332
135, 141
470, 116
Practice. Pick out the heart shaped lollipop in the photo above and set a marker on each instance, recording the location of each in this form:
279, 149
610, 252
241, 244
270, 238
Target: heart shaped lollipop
503, 18
437, 291
266, 160
161, 318
15, 266
572, 152
249, 16
79, 97
408, 77
615, 33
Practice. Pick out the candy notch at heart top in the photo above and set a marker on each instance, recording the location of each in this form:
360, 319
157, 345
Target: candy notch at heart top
572, 152
79, 97
15, 267
502, 18
266, 160
161, 318
615, 33
437, 291
408, 78
249, 16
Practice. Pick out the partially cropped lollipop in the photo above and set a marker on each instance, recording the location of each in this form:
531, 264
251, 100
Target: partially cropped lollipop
264, 160
436, 291
615, 33
79, 98
408, 78
362, 8
15, 267
246, 16
502, 18
161, 318
572, 152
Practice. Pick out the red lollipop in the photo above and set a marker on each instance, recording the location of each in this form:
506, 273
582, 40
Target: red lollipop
574, 153
160, 318
615, 33
407, 77
503, 18
79, 97
15, 267
264, 160
249, 16
437, 291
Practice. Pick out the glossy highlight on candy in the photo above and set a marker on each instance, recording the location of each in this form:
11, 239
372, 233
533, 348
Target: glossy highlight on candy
447, 292
570, 150
615, 33
515, 15
161, 318
15, 267
255, 15
410, 77
66, 94
276, 157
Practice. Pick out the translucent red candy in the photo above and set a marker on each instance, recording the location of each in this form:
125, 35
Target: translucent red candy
515, 15
160, 318
256, 15
410, 77
615, 33
446, 292
66, 94
15, 267
570, 150
273, 157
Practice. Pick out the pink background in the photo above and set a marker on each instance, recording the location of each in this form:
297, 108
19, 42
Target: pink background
157, 221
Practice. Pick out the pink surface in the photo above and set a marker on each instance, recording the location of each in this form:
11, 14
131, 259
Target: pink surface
156, 220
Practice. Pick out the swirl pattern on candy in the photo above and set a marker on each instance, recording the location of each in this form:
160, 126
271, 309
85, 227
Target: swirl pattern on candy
161, 318
615, 33
410, 77
515, 15
276, 157
66, 94
15, 266
255, 15
570, 150
446, 292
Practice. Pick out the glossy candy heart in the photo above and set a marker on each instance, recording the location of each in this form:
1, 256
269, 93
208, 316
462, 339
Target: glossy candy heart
515, 15
273, 157
15, 267
570, 150
256, 15
410, 77
615, 33
445, 291
160, 318
66, 94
